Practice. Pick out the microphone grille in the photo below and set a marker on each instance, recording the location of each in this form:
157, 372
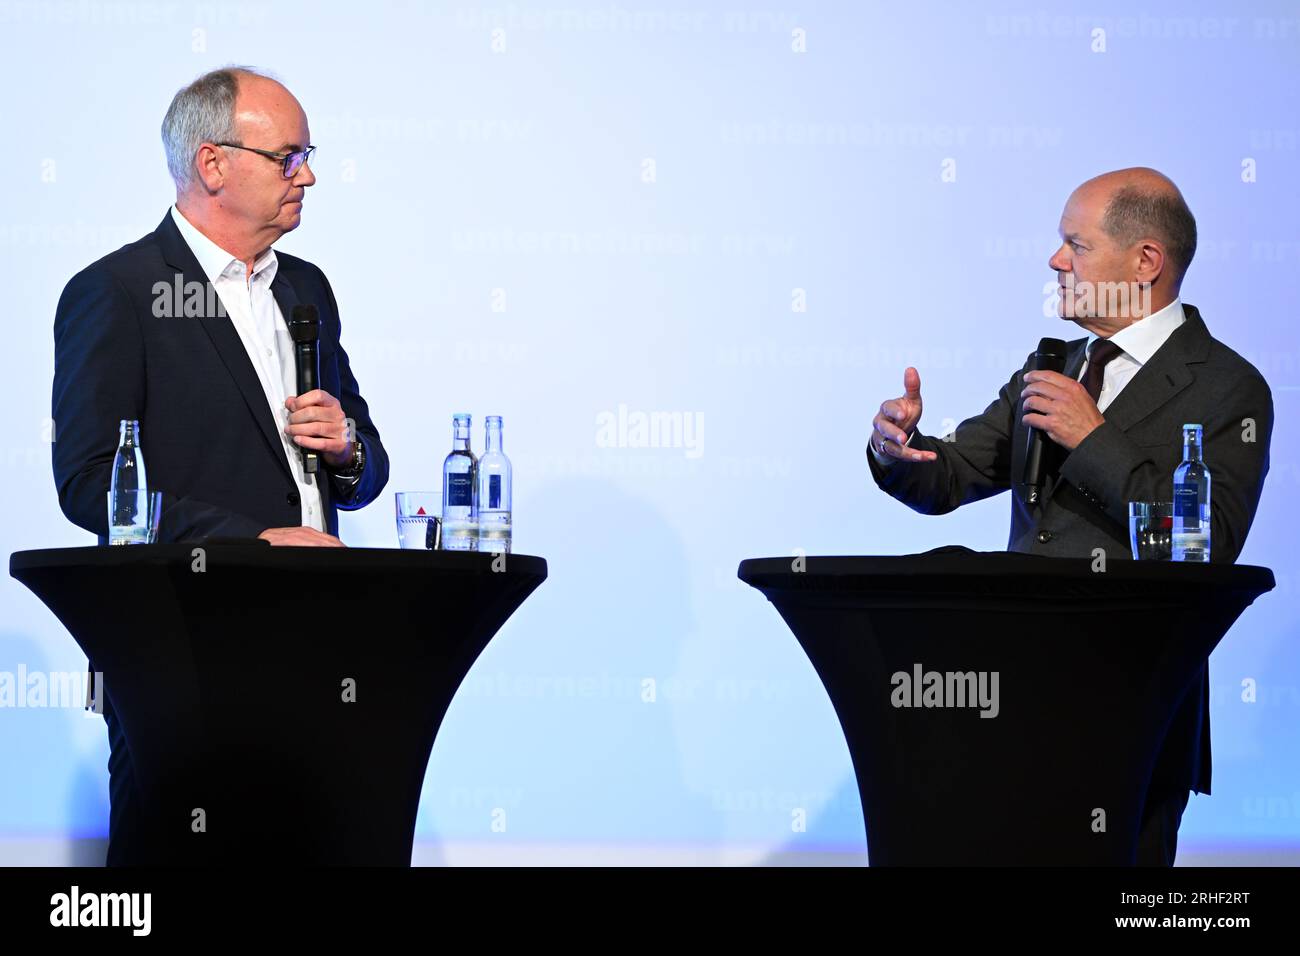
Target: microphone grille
304, 325
1050, 356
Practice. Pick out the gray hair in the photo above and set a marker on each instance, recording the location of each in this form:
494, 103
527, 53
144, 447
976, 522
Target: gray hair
203, 112
1142, 212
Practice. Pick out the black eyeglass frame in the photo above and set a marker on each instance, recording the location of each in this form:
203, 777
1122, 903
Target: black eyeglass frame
285, 158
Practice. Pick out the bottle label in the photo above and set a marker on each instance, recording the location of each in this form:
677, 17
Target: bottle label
1187, 502
460, 491
494, 492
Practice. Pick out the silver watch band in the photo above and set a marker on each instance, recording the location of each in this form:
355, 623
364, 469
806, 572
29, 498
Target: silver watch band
353, 468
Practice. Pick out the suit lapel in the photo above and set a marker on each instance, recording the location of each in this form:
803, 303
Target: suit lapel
1156, 382
221, 330
286, 296
1078, 349
1160, 379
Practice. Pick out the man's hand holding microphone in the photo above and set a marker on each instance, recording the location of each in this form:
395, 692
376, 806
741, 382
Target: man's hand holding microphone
316, 421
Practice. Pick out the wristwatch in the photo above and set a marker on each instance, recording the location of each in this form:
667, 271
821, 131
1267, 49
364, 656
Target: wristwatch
353, 468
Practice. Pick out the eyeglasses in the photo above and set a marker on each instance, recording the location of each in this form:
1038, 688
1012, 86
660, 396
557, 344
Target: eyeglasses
292, 161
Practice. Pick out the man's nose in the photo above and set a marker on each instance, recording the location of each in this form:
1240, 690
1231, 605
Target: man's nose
305, 176
1060, 260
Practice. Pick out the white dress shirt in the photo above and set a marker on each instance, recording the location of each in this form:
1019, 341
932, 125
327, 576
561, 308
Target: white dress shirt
260, 323
1139, 341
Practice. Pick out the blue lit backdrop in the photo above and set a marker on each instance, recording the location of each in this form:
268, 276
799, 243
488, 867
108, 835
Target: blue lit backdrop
569, 215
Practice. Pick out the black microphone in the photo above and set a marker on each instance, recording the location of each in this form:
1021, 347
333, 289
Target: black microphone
1050, 357
304, 329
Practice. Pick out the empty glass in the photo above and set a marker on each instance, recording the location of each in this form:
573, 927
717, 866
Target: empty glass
1151, 530
418, 525
133, 515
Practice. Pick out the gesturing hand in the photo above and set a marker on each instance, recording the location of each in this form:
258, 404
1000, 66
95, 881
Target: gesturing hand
897, 418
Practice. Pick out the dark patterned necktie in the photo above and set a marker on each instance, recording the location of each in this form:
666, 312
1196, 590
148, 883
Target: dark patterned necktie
1100, 354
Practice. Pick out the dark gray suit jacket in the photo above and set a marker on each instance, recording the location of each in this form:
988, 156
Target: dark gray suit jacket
1131, 457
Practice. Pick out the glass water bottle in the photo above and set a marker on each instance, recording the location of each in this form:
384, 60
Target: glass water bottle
494, 492
1192, 501
459, 507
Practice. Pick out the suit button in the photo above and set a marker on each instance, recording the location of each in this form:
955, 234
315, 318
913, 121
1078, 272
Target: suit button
1045, 536
293, 499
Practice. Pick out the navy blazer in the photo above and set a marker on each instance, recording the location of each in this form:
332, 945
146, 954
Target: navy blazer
210, 442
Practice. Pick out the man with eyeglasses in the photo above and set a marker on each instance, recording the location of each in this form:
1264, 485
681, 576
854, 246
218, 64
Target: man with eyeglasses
211, 377
185, 330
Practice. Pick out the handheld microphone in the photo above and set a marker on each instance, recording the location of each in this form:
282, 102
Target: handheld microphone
304, 329
1050, 357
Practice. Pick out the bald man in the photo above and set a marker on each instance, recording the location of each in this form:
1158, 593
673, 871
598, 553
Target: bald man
1113, 421
185, 330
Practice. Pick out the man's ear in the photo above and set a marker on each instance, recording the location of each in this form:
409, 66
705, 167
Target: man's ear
210, 167
1150, 261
